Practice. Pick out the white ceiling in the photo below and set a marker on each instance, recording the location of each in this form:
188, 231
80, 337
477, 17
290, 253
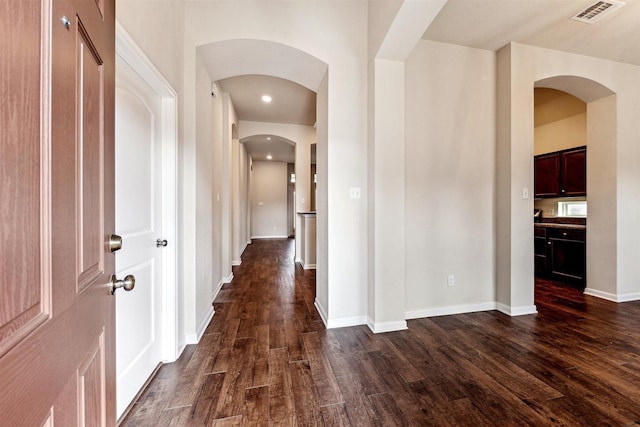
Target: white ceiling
280, 149
291, 103
491, 24
481, 24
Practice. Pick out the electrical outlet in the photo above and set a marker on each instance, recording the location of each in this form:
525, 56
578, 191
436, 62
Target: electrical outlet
450, 280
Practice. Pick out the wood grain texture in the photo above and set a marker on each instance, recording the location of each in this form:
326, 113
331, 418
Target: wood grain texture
266, 360
39, 119
24, 181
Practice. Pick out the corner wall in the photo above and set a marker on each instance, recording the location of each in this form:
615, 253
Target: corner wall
519, 68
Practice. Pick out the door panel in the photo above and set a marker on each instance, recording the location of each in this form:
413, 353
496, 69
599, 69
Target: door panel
139, 222
90, 193
91, 384
24, 181
56, 207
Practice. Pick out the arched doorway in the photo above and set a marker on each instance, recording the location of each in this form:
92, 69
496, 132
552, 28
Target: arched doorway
601, 118
228, 59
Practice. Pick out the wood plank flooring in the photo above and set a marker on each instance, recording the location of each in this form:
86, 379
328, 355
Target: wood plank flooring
267, 360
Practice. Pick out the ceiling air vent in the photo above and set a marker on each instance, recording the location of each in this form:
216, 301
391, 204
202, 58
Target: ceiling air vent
597, 11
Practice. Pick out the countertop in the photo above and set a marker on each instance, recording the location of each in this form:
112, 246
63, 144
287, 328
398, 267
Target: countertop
556, 225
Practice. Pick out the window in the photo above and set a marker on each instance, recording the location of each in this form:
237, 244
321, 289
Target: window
572, 209
292, 178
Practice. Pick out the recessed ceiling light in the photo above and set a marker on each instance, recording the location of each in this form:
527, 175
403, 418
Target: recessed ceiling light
269, 157
268, 138
266, 99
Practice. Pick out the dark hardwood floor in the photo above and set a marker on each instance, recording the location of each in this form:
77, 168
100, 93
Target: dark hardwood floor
267, 360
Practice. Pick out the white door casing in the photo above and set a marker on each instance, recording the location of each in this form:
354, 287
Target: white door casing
145, 211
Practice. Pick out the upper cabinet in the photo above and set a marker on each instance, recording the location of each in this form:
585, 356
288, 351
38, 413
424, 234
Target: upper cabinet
561, 174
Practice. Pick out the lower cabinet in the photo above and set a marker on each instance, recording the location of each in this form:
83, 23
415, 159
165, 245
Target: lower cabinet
540, 251
564, 256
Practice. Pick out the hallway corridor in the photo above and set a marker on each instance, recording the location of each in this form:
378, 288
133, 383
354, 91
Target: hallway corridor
267, 360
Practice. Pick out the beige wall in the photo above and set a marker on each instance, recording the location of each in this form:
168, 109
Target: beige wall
450, 176
269, 200
560, 135
560, 121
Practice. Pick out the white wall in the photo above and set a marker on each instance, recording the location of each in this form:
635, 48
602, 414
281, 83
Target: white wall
449, 176
322, 232
243, 234
602, 252
205, 283
269, 200
217, 125
240, 200
391, 41
157, 26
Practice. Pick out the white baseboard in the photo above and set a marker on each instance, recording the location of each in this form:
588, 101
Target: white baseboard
298, 260
195, 338
345, 322
446, 311
308, 266
342, 322
612, 297
516, 311
321, 311
381, 327
228, 279
239, 261
216, 291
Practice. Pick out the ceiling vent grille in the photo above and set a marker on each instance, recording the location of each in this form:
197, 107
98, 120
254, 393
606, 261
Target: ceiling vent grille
597, 11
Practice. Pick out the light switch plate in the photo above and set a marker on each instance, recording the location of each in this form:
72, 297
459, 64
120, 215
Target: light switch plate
354, 192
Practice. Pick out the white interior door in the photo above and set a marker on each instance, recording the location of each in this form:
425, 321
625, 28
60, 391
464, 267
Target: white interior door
139, 223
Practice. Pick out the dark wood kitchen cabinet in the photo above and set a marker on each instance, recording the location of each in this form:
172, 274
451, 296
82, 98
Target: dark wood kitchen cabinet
567, 255
540, 251
561, 174
560, 254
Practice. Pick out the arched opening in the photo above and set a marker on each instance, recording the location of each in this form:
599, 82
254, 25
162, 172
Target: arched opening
227, 60
271, 155
578, 250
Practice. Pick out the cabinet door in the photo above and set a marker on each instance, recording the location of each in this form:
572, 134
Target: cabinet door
547, 170
540, 256
573, 175
567, 260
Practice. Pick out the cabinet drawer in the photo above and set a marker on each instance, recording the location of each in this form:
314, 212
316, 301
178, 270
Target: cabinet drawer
566, 233
539, 232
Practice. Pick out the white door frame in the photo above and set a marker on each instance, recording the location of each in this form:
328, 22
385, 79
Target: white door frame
132, 55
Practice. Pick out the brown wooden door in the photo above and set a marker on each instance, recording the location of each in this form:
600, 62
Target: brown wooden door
56, 210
